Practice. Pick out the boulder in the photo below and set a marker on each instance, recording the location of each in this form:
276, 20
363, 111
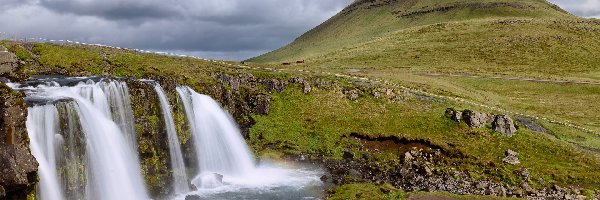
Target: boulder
504, 124
476, 119
511, 157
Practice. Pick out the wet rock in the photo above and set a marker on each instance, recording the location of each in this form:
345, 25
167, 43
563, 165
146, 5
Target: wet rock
511, 157
476, 119
192, 197
453, 114
324, 178
504, 124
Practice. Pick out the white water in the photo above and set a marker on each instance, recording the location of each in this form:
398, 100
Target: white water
219, 145
221, 149
99, 116
180, 179
111, 165
42, 125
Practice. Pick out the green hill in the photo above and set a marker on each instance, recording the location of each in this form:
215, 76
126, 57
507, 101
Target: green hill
518, 38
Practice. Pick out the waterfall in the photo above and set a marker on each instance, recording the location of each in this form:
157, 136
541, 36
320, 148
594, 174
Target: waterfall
42, 123
180, 180
219, 145
111, 167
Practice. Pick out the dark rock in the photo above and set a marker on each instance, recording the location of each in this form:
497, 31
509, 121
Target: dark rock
18, 167
348, 155
261, 104
354, 172
275, 85
386, 190
2, 192
505, 125
531, 125
192, 197
476, 119
453, 114
511, 157
324, 178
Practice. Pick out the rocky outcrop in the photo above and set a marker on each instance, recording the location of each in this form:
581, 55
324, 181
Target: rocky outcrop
476, 119
504, 124
18, 168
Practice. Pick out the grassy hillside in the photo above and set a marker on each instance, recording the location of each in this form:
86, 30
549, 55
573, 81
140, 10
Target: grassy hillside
366, 20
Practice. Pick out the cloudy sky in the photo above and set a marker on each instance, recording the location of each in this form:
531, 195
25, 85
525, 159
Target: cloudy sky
220, 29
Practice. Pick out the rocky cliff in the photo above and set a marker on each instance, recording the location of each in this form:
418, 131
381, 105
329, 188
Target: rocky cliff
18, 168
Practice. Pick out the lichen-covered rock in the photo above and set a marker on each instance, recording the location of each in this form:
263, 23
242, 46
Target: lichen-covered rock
18, 167
476, 119
511, 157
153, 149
504, 124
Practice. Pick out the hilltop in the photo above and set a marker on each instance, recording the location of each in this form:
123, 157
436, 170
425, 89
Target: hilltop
525, 38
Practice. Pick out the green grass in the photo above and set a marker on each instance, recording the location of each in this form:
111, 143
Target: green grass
364, 21
317, 124
365, 191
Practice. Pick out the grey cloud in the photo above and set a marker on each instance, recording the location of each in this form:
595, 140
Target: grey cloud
225, 29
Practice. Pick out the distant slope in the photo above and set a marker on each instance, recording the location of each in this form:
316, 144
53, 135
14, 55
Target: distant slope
366, 20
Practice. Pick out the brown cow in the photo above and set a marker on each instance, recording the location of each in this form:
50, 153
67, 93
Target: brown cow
300, 62
286, 63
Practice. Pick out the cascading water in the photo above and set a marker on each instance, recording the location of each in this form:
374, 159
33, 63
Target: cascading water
82, 134
218, 142
180, 180
110, 165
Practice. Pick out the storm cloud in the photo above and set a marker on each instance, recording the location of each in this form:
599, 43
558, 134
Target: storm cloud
221, 29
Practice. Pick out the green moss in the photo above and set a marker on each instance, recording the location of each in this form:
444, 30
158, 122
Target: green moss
20, 52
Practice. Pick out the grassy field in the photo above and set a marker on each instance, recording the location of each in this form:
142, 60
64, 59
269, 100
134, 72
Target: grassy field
319, 123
